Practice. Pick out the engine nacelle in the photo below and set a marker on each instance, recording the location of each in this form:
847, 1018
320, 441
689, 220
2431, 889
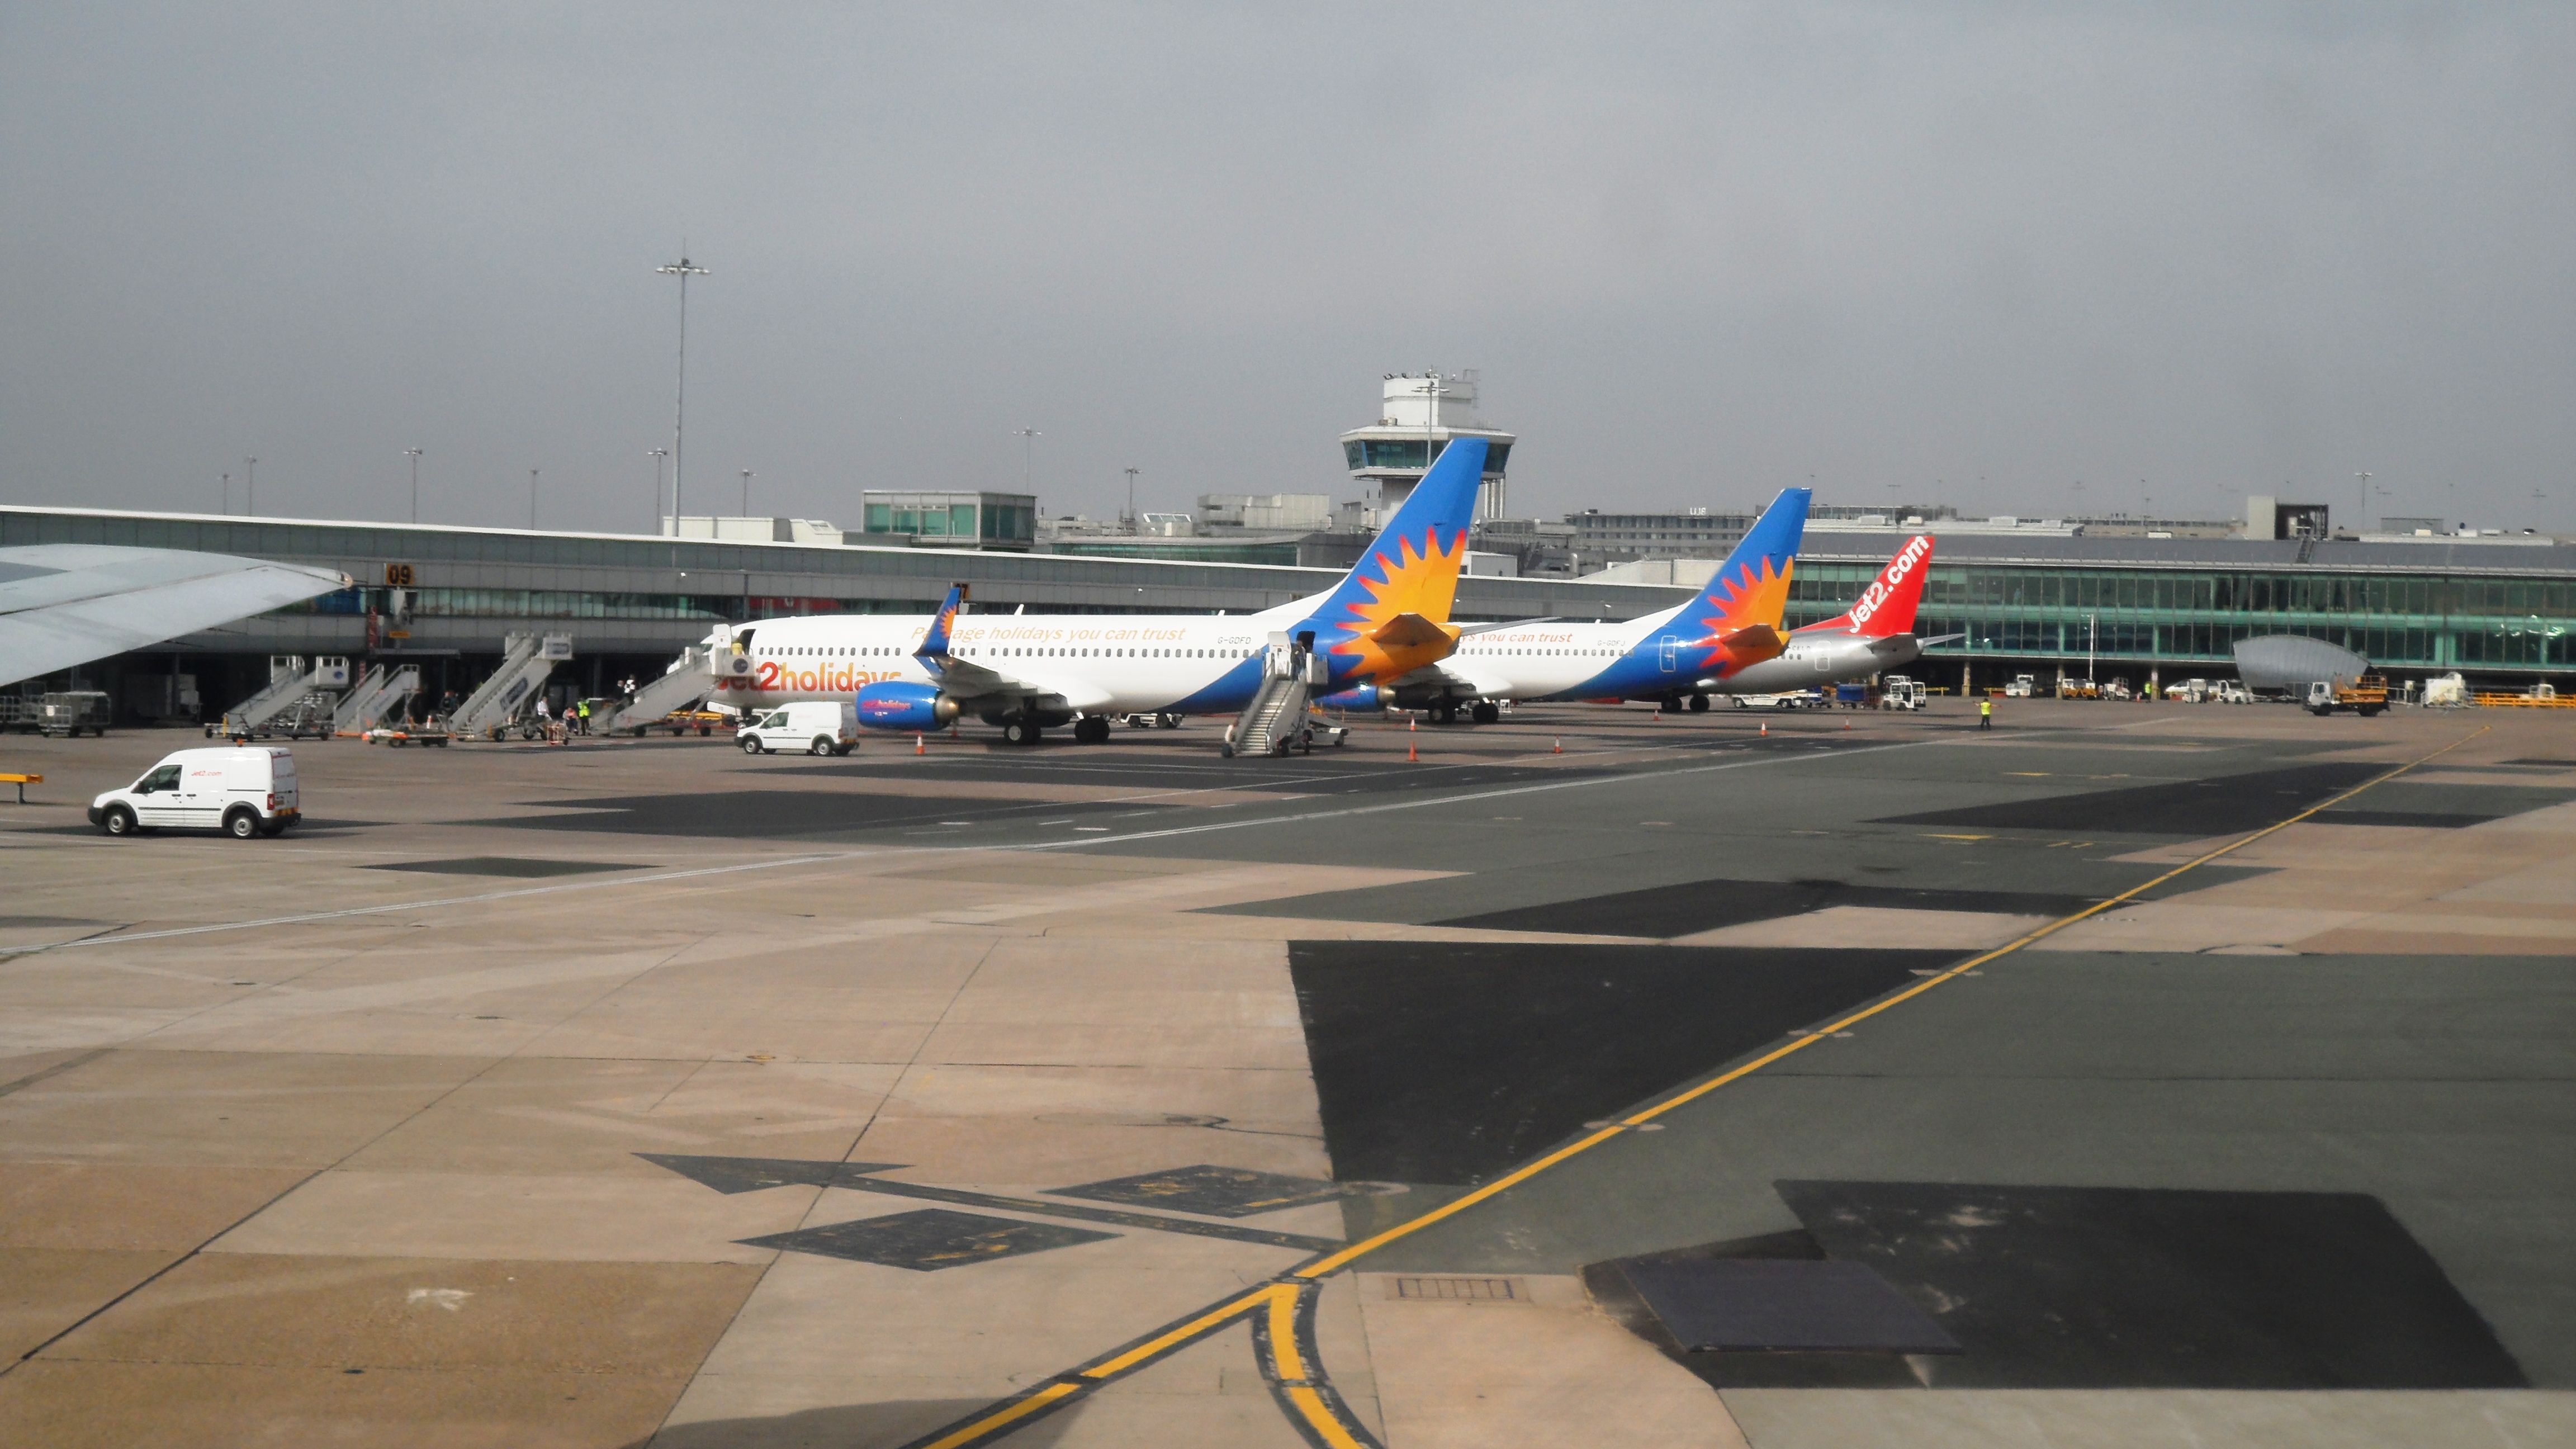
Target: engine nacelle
1359, 696
894, 706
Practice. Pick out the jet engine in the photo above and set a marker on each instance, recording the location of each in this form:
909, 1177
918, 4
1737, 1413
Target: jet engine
1359, 697
895, 706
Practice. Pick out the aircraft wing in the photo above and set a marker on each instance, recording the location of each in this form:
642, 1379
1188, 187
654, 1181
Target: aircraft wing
63, 604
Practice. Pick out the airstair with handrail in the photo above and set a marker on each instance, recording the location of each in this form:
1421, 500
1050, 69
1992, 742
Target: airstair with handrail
300, 698
379, 694
1276, 718
690, 678
526, 660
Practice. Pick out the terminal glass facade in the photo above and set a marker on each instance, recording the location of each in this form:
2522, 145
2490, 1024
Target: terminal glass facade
2197, 616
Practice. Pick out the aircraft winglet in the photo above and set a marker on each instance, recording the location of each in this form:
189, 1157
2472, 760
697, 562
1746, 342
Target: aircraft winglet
934, 640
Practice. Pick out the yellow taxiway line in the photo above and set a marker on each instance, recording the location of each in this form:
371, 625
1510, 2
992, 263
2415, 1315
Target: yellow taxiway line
1280, 1299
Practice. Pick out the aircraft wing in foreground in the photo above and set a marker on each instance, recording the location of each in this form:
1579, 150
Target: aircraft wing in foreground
63, 604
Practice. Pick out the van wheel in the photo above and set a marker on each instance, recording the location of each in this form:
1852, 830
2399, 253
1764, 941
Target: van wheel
822, 746
118, 821
242, 824
751, 745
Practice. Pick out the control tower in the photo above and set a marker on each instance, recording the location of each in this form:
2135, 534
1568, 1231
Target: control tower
1418, 417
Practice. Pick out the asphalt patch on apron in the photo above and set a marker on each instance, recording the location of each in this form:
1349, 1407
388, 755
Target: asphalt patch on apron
1706, 905
1451, 1062
2220, 805
1320, 774
516, 867
2146, 1288
771, 814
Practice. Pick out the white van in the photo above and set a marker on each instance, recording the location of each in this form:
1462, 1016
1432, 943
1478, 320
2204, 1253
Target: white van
241, 791
816, 726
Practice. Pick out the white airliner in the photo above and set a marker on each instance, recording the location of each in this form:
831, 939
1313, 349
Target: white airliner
1031, 672
1731, 626
1715, 645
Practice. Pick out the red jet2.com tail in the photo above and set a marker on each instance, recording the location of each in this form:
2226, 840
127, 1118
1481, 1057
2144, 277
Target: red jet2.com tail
1887, 606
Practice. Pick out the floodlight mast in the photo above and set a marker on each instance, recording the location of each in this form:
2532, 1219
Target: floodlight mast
680, 406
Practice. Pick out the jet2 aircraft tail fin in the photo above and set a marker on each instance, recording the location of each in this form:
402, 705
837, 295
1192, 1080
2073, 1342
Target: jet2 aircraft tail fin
1887, 606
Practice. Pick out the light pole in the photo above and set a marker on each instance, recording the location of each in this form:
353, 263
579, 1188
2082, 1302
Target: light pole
1134, 524
414, 455
2090, 636
680, 404
532, 500
250, 487
746, 492
2361, 509
657, 455
228, 494
1029, 458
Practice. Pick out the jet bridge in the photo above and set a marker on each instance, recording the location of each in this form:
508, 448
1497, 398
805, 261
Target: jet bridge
526, 660
299, 699
377, 695
690, 678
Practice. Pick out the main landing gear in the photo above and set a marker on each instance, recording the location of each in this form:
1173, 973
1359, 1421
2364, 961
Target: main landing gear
1091, 729
1020, 731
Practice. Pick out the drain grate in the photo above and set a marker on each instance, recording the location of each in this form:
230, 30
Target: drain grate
1482, 1290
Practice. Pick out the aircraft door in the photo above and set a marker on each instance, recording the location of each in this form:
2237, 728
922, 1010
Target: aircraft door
1668, 653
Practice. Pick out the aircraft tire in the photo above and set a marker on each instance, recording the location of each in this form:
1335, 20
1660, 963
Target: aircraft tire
1699, 704
1487, 712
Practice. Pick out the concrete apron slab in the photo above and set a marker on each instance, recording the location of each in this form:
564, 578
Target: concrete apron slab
2143, 1418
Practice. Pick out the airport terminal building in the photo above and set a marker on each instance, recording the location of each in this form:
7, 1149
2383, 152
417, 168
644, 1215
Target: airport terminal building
2498, 609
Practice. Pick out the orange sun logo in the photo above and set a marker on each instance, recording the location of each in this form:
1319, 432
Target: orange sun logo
1421, 584
1750, 598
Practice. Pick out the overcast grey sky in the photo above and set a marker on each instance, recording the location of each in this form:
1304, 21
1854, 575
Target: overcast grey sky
1698, 252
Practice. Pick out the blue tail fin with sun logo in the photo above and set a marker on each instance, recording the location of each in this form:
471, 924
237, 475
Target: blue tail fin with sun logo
1391, 612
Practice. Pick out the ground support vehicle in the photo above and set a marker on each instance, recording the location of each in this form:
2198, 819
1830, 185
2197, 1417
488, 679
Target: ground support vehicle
425, 735
20, 710
2078, 689
2188, 691
2023, 686
1897, 691
2364, 696
681, 721
66, 713
243, 791
2539, 696
1150, 721
818, 727
2232, 691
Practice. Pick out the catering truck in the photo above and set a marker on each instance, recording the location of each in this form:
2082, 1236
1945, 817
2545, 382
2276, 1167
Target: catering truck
242, 791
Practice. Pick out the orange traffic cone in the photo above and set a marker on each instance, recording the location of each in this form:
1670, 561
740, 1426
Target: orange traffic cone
917, 747
1410, 756
1766, 727
1659, 714
1846, 724
1560, 744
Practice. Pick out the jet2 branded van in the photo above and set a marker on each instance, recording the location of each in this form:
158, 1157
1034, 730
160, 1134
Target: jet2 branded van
818, 727
240, 791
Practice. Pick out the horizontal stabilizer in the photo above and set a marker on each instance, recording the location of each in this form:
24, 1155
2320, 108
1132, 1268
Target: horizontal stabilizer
1757, 642
1410, 631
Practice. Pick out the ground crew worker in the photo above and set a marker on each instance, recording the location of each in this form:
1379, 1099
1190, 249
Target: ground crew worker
1986, 713
585, 716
